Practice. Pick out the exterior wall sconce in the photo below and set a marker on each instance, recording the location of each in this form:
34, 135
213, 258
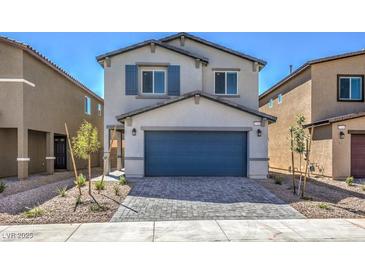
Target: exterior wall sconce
134, 132
342, 135
259, 133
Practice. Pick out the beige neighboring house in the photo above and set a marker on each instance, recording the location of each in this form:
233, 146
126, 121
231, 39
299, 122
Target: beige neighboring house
329, 92
184, 106
36, 99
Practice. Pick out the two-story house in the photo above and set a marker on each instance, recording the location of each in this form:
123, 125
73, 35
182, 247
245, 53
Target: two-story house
37, 98
329, 92
185, 107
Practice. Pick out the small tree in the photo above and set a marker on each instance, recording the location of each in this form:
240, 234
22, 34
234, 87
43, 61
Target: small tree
84, 144
300, 140
292, 148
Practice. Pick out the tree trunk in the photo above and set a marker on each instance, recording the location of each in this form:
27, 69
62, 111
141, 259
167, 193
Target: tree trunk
89, 169
292, 160
307, 162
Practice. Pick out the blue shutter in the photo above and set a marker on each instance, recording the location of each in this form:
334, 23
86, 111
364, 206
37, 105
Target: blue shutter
131, 80
173, 80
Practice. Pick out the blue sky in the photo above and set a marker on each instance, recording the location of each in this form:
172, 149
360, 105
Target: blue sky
75, 52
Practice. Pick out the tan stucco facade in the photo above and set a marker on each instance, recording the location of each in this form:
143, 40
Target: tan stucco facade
36, 99
313, 93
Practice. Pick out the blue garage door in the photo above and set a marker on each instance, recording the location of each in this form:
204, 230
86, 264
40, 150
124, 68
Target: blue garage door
195, 153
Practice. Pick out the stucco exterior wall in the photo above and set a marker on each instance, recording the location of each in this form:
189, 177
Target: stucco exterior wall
295, 102
342, 147
321, 151
324, 86
116, 102
247, 75
188, 114
44, 107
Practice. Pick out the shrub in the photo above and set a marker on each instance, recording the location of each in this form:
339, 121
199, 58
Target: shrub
34, 212
122, 180
81, 180
99, 185
3, 186
350, 181
62, 191
324, 206
96, 208
278, 180
116, 190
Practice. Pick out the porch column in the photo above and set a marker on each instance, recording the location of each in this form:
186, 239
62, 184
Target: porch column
119, 136
22, 159
50, 158
106, 156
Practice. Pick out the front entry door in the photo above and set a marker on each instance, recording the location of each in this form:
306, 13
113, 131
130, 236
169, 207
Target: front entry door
60, 152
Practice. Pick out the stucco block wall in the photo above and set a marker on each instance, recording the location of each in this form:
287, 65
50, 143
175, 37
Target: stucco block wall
247, 76
324, 87
11, 62
298, 101
321, 151
188, 114
8, 152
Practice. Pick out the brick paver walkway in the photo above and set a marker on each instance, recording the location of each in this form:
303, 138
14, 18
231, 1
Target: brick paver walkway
201, 198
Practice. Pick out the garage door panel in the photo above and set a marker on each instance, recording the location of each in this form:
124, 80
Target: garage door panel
195, 153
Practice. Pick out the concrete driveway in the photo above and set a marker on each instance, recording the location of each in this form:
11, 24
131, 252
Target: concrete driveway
201, 198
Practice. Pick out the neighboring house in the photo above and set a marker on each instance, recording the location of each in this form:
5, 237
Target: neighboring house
186, 107
329, 92
36, 99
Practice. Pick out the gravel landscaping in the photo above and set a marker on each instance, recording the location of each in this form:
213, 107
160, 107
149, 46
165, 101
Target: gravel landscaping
57, 209
325, 198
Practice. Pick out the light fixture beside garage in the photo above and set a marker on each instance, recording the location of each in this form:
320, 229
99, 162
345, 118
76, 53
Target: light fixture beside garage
259, 133
134, 132
342, 135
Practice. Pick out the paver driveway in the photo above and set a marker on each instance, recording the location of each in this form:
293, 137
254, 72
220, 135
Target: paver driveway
201, 198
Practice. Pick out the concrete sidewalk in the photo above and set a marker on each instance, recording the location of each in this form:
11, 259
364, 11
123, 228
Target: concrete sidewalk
189, 231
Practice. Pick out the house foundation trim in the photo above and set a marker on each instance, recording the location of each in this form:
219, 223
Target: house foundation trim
23, 159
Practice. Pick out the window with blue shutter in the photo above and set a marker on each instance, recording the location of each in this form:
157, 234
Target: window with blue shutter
173, 80
131, 80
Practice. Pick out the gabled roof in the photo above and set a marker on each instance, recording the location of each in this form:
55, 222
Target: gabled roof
336, 119
157, 43
307, 65
192, 94
214, 45
49, 63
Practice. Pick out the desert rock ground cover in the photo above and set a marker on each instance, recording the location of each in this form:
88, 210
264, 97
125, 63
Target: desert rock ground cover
56, 209
325, 198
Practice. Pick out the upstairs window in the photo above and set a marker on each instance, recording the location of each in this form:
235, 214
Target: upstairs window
87, 105
271, 103
153, 82
225, 83
100, 109
350, 88
280, 98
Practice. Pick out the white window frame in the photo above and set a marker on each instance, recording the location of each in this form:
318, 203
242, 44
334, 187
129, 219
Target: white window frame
153, 81
100, 109
87, 106
271, 103
350, 88
280, 98
225, 84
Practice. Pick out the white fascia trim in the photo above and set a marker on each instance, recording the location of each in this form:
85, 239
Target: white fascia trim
23, 159
13, 80
50, 158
